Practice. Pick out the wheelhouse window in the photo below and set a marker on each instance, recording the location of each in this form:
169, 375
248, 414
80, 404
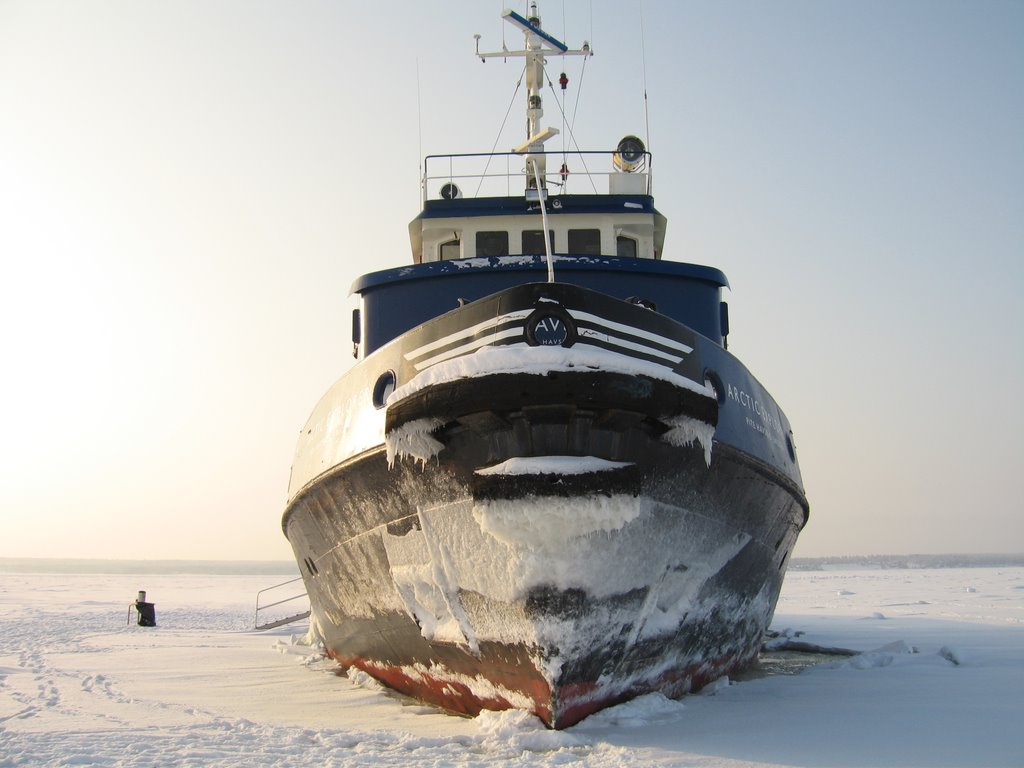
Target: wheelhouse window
451, 250
533, 241
489, 244
625, 247
585, 242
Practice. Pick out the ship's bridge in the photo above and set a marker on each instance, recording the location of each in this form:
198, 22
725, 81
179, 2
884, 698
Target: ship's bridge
482, 230
489, 205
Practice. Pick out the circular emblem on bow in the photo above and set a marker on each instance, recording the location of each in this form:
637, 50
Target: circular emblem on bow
550, 326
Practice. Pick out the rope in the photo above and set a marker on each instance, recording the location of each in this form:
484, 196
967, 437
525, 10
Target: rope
544, 219
500, 130
419, 131
643, 59
572, 136
562, 107
579, 90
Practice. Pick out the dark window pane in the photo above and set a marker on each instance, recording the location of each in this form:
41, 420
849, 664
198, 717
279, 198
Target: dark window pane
626, 247
533, 241
450, 250
585, 242
490, 244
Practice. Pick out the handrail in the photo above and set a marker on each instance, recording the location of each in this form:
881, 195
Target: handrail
286, 620
476, 165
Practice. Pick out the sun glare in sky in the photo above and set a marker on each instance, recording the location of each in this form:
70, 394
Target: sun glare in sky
188, 191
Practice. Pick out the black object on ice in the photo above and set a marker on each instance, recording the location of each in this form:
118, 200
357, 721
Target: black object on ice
147, 611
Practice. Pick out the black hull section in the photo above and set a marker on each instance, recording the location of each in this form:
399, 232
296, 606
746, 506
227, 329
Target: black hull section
715, 541
556, 534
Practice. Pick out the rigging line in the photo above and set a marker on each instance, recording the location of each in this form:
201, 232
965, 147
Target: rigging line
560, 101
500, 130
561, 108
419, 130
564, 94
572, 122
572, 136
643, 59
647, 114
579, 90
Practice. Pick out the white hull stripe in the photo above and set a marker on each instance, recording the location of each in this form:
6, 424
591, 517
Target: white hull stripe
633, 331
465, 349
585, 335
468, 332
598, 333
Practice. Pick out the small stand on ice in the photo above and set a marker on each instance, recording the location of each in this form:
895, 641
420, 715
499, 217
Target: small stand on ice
147, 611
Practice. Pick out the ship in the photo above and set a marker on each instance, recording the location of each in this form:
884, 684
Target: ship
544, 483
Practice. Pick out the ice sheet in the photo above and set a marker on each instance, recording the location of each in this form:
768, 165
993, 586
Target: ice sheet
937, 682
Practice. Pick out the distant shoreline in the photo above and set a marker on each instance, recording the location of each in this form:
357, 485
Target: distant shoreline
289, 569
907, 561
191, 567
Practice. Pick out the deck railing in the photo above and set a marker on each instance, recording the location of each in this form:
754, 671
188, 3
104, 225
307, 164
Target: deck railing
295, 610
504, 174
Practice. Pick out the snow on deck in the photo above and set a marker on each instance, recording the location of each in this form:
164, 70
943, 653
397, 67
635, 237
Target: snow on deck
540, 361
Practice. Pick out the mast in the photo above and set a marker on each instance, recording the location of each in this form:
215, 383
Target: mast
537, 45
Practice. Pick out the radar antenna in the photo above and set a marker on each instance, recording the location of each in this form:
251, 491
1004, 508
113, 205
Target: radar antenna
538, 44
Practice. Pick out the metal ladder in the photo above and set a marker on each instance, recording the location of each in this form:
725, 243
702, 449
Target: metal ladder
288, 619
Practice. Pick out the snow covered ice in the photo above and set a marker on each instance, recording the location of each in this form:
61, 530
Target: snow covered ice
935, 678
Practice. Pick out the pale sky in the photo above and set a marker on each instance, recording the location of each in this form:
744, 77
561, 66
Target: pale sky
188, 189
